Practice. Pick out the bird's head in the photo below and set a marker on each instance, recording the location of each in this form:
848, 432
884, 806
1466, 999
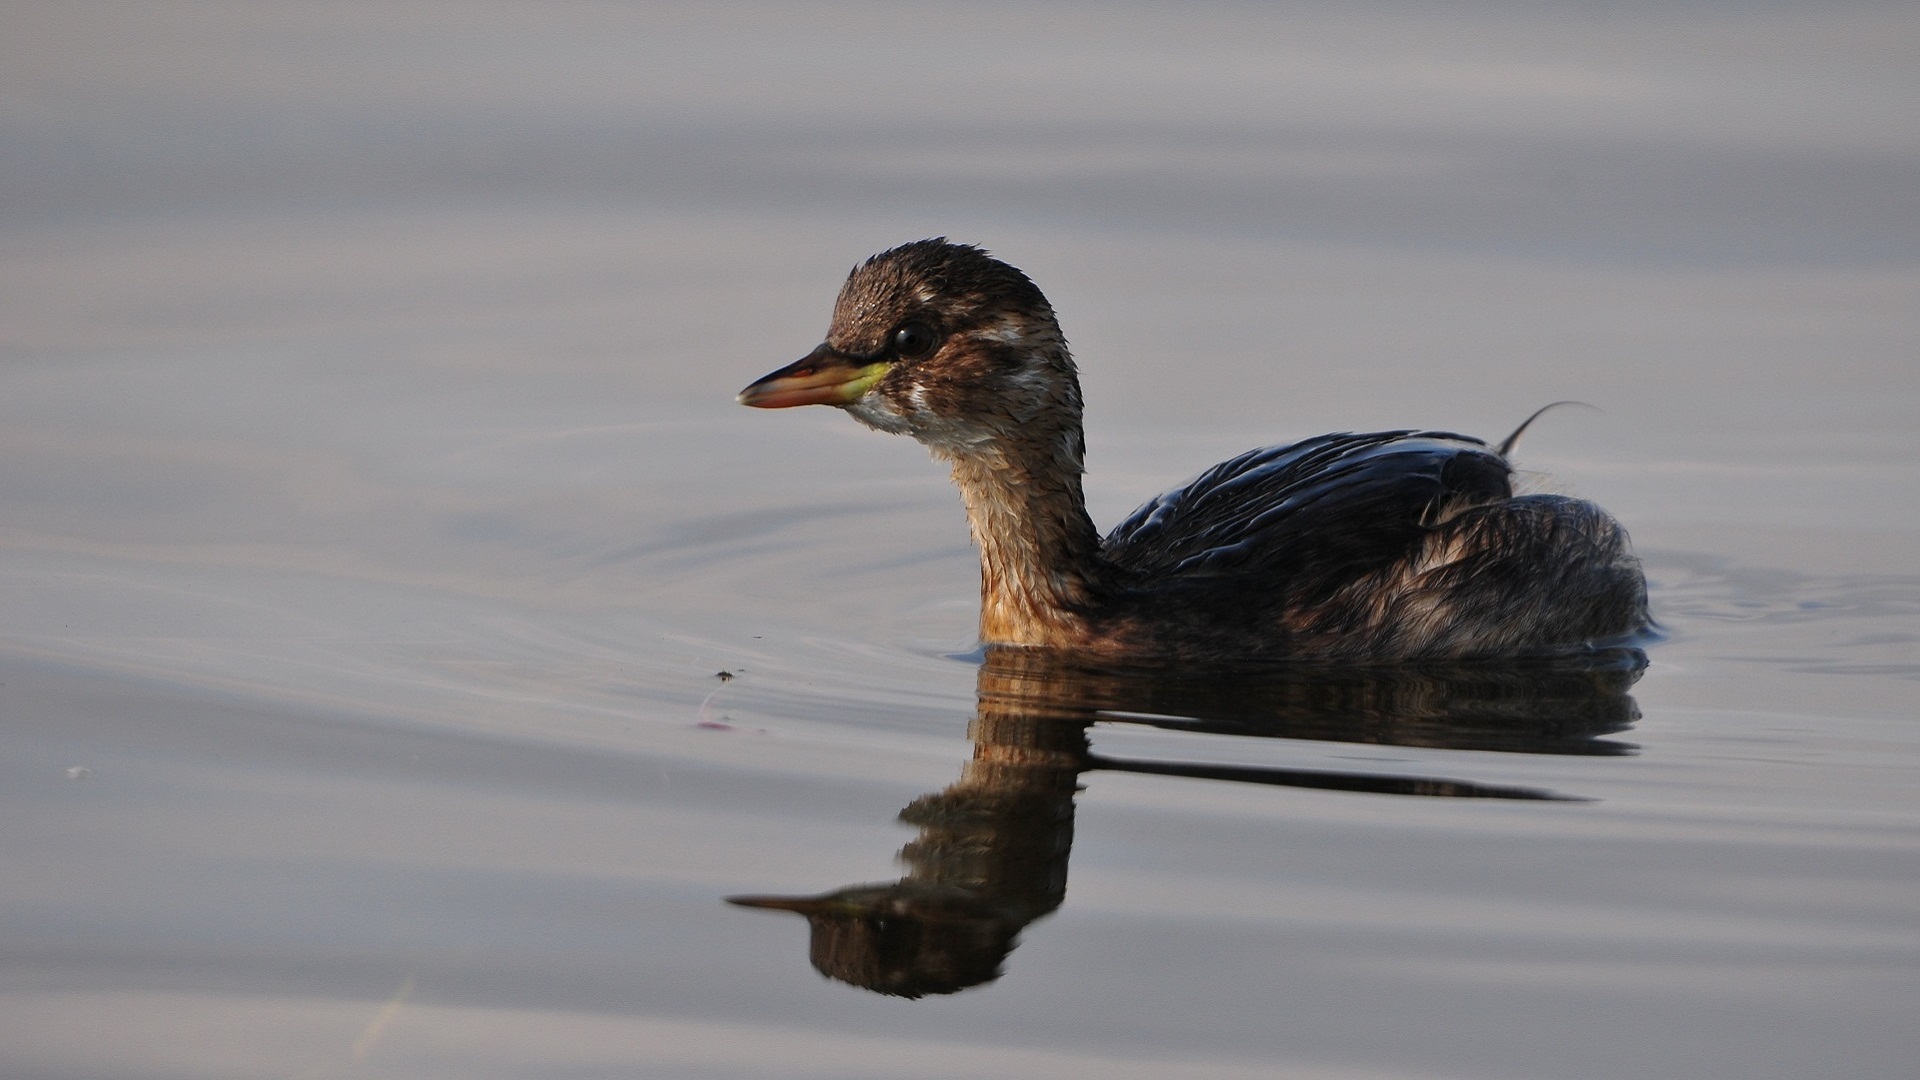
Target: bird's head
942, 342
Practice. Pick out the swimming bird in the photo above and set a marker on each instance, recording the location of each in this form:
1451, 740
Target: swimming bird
1389, 546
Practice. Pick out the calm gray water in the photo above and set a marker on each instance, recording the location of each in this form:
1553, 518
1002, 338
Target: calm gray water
375, 522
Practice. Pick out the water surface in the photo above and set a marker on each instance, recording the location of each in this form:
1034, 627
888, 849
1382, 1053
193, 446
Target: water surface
375, 526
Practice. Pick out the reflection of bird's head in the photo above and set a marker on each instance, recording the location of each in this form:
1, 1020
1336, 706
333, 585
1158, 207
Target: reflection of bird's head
939, 341
901, 939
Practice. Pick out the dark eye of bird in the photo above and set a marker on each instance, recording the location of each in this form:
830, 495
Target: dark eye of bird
913, 340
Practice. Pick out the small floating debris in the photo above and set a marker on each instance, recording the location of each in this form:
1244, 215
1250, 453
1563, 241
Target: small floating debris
707, 720
79, 772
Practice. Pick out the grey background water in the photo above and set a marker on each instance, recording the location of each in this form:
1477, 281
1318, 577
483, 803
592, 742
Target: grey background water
374, 519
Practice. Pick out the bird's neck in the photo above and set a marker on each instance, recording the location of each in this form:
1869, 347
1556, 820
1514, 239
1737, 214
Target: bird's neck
1039, 553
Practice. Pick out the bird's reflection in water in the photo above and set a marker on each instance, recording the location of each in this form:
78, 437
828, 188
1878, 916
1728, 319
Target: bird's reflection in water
991, 855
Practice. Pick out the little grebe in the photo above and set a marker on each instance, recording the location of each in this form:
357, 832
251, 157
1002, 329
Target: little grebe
1388, 546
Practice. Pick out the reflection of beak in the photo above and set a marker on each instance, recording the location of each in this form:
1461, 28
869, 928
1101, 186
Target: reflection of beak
822, 377
805, 905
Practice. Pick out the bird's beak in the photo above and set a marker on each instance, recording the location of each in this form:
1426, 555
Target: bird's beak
822, 377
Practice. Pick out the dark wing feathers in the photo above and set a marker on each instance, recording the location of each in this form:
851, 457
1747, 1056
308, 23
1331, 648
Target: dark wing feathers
1318, 511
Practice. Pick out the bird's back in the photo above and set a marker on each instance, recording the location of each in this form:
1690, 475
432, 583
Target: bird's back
1385, 545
